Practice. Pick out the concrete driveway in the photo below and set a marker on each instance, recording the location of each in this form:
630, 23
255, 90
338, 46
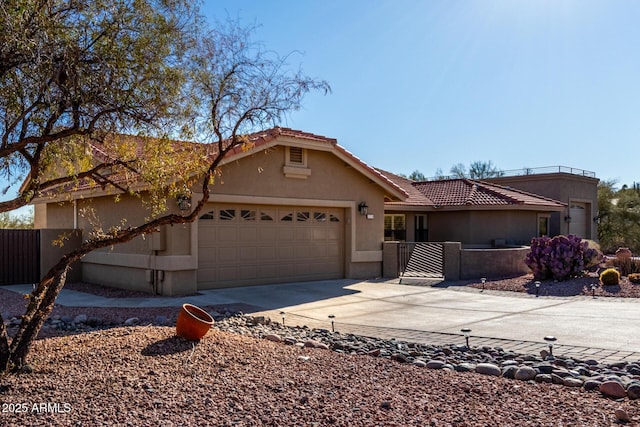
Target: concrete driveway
424, 313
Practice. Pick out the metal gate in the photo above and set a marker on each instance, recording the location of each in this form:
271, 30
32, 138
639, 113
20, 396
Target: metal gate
421, 260
19, 256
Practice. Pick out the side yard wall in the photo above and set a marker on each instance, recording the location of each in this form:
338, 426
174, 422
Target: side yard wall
465, 264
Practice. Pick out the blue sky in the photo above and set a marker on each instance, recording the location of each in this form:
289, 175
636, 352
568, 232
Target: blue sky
426, 84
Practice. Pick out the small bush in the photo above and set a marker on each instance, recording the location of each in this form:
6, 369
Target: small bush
634, 278
561, 257
610, 277
626, 266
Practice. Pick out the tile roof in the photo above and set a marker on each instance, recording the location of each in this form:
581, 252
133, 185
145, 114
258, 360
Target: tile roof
467, 193
103, 154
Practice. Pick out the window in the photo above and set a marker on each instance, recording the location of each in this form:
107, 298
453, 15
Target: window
421, 230
543, 225
395, 228
209, 215
333, 218
247, 215
287, 217
320, 217
227, 214
265, 216
303, 216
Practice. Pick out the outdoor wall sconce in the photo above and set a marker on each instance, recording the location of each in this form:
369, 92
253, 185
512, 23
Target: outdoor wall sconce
550, 339
596, 219
184, 202
537, 283
567, 219
363, 208
283, 314
332, 316
466, 332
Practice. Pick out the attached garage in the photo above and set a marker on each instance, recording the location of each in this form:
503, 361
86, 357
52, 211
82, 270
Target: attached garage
258, 244
293, 207
579, 224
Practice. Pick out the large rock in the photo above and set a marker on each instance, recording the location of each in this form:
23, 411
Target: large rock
273, 337
572, 382
633, 390
435, 364
612, 389
488, 369
509, 372
525, 373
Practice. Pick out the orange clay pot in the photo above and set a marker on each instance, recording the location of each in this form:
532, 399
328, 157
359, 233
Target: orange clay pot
193, 322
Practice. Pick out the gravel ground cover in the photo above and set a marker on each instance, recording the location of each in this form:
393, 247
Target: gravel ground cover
144, 375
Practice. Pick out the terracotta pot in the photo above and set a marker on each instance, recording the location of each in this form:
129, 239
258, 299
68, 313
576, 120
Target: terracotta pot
193, 322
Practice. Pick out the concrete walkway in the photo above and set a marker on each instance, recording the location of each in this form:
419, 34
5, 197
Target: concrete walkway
599, 328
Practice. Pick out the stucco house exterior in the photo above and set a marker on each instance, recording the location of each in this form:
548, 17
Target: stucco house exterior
298, 206
286, 210
474, 213
576, 188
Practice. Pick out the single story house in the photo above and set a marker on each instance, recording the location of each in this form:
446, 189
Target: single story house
294, 207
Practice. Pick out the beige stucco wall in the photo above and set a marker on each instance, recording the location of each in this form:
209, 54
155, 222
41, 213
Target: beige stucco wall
483, 227
171, 255
563, 187
51, 251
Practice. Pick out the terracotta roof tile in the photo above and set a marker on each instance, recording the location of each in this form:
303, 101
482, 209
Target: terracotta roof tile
465, 193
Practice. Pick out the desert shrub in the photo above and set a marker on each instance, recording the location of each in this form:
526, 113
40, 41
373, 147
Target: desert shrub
634, 278
626, 266
561, 257
609, 277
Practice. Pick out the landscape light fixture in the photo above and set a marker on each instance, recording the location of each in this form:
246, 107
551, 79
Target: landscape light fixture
550, 339
331, 316
537, 283
466, 332
593, 289
363, 208
483, 280
283, 314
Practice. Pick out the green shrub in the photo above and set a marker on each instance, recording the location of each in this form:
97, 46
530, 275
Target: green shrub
634, 278
610, 277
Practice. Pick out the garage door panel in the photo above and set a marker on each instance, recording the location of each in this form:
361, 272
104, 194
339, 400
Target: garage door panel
267, 234
228, 254
247, 234
247, 253
227, 234
286, 234
247, 272
319, 233
285, 253
303, 234
257, 246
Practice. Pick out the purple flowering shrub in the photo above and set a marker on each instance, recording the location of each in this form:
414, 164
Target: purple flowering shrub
561, 257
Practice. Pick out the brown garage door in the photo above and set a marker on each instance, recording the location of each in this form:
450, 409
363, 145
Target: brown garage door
245, 245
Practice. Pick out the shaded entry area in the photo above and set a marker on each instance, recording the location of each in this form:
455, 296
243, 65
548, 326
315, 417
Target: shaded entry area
421, 260
19, 256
